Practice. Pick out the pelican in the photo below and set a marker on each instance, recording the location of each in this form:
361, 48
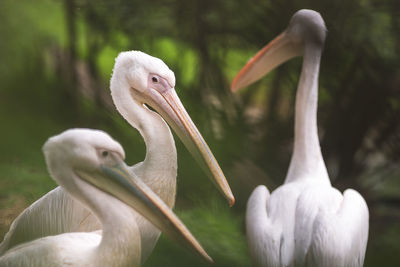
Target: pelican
89, 165
306, 221
138, 80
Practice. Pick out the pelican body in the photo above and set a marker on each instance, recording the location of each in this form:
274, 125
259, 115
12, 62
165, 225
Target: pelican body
306, 221
89, 165
138, 80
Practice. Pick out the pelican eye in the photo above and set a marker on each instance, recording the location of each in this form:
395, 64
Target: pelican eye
154, 79
104, 153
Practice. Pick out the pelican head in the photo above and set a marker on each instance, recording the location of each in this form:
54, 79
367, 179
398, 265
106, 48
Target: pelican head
147, 80
306, 27
82, 158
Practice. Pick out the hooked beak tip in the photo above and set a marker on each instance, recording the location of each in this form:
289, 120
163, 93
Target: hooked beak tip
240, 81
231, 201
233, 86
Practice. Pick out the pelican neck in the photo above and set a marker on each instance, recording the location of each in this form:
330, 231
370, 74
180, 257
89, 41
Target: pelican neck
159, 168
307, 161
120, 231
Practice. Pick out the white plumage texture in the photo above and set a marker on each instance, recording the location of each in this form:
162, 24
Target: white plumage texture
59, 213
51, 251
306, 225
118, 244
138, 65
304, 222
88, 139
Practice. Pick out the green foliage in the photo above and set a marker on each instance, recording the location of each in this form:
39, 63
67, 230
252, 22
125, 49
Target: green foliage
218, 230
54, 73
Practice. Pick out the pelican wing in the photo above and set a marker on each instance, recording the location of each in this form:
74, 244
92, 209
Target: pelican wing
54, 251
53, 214
263, 237
340, 238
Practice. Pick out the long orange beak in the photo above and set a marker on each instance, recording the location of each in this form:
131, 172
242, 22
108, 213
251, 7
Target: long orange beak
271, 56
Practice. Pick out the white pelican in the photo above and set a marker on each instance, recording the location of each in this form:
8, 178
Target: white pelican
89, 165
304, 222
137, 79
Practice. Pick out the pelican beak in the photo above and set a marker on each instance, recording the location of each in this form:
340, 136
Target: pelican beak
271, 56
119, 182
163, 98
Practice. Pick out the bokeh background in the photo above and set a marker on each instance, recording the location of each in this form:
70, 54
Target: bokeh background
56, 59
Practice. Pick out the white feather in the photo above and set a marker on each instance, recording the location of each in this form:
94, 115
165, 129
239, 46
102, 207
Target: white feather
59, 213
117, 245
306, 222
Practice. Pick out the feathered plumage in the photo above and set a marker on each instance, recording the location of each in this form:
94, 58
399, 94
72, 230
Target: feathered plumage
304, 222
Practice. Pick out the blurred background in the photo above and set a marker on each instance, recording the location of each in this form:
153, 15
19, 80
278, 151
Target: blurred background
56, 59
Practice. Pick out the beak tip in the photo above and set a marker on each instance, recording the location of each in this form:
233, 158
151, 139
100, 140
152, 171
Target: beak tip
234, 85
231, 201
229, 196
210, 260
